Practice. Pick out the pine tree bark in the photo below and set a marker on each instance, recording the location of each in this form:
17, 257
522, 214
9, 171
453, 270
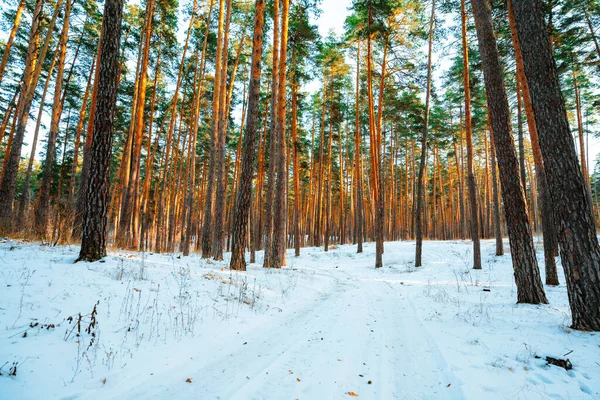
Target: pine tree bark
244, 194
207, 229
221, 178
580, 252
271, 172
546, 209
95, 221
11, 38
278, 242
527, 275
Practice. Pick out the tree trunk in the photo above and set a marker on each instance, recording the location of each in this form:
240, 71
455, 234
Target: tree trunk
221, 178
207, 229
580, 252
420, 186
270, 190
244, 195
497, 226
527, 275
359, 218
296, 144
126, 236
278, 243
94, 232
11, 38
546, 209
469, 139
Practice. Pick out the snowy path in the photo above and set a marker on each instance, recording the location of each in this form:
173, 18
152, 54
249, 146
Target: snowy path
328, 326
355, 332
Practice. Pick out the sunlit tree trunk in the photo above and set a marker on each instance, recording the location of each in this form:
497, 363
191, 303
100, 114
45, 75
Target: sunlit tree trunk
11, 38
244, 194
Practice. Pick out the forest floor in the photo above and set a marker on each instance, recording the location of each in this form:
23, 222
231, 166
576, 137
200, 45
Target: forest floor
328, 326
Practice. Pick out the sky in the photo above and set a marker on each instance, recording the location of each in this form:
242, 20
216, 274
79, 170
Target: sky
333, 16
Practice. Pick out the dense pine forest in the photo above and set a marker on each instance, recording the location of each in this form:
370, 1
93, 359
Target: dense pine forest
216, 126
299, 199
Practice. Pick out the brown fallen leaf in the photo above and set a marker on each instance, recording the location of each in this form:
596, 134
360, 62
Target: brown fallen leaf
104, 381
136, 289
352, 394
448, 385
189, 380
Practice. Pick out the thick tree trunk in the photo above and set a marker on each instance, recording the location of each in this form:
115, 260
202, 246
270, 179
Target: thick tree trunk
580, 252
527, 275
244, 194
545, 201
94, 232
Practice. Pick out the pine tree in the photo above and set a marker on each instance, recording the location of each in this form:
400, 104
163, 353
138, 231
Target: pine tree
94, 231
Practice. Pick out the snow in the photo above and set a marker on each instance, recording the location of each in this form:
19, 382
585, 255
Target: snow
328, 326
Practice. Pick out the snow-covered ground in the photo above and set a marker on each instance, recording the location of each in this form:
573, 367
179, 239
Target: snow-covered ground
329, 326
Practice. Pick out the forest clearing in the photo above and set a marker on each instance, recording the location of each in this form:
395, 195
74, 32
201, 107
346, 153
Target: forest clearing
326, 325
